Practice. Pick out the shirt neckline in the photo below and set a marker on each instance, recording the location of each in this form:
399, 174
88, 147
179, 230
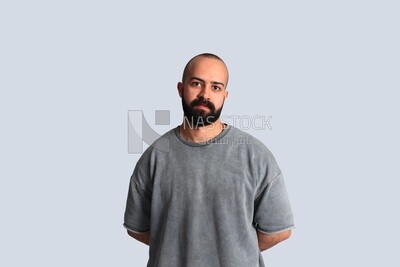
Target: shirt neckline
202, 144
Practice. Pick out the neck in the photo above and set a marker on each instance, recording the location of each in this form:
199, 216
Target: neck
202, 133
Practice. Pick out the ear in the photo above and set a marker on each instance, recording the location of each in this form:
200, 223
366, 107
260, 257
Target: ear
180, 88
226, 94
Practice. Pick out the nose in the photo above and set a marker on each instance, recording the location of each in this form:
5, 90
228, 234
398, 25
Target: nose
205, 92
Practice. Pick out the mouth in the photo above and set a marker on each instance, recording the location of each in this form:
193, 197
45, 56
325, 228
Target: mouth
202, 106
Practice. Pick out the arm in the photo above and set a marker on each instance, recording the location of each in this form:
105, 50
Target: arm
142, 237
266, 241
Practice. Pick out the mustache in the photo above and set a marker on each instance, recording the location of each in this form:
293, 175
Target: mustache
202, 101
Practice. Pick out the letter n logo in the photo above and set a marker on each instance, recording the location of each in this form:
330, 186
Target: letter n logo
140, 131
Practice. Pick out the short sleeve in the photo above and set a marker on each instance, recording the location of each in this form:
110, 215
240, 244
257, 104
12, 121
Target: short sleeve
138, 208
273, 212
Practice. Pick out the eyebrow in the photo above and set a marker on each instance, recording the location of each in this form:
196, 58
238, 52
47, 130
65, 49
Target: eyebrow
203, 81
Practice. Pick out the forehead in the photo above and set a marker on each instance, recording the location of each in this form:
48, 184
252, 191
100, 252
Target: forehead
208, 68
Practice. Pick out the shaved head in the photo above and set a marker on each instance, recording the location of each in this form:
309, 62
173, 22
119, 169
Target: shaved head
189, 65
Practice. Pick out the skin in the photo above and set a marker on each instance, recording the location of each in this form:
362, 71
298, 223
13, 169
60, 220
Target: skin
266, 241
207, 78
142, 237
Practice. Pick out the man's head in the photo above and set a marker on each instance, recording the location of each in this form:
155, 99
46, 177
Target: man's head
203, 89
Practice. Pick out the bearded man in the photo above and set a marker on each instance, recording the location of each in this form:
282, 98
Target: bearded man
216, 196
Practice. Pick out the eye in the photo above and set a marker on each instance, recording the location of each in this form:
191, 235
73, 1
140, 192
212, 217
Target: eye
196, 84
216, 88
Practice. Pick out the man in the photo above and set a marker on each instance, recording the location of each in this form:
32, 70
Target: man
207, 193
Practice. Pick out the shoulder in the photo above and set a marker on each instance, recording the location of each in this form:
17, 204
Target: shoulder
154, 155
256, 153
163, 143
251, 143
160, 146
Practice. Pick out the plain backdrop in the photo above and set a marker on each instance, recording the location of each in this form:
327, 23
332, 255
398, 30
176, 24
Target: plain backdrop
326, 71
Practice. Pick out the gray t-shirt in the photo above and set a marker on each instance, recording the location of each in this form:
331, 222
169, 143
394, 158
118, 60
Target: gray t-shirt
202, 202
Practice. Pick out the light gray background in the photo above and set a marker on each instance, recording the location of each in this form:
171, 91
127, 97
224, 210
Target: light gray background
327, 72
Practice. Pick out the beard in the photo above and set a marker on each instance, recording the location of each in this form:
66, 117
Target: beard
199, 117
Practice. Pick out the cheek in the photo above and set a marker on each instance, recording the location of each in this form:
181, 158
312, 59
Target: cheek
188, 95
187, 98
218, 102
